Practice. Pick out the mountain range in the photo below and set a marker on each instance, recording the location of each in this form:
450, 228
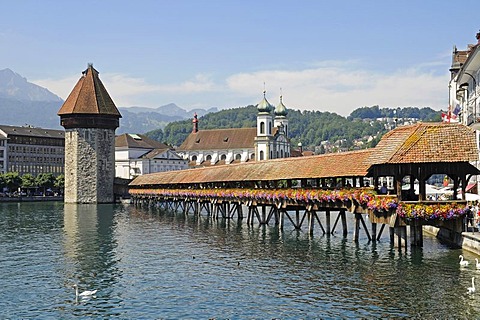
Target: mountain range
25, 103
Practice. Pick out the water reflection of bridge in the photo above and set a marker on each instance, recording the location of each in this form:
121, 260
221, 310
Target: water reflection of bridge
301, 189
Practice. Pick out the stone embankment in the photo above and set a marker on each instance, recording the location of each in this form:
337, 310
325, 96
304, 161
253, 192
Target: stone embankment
468, 240
29, 199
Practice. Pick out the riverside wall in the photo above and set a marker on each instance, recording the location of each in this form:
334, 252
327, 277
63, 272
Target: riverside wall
469, 241
29, 199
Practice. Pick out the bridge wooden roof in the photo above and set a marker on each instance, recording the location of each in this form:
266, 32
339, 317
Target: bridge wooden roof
427, 143
346, 164
419, 143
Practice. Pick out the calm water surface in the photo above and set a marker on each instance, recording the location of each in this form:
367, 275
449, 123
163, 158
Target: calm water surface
148, 264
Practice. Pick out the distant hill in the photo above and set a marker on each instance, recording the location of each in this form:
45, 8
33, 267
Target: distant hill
15, 87
319, 131
25, 103
143, 119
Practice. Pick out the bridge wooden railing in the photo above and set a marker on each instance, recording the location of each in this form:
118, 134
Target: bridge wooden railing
356, 200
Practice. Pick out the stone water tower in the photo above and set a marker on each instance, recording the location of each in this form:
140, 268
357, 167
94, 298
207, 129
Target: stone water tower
90, 118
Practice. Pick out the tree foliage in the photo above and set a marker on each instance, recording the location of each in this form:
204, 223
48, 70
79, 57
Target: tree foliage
60, 182
28, 181
12, 180
310, 128
423, 114
45, 180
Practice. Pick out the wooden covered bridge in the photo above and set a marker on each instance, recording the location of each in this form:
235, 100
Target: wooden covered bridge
302, 189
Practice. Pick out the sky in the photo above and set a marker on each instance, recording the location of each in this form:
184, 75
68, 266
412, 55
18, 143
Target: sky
332, 56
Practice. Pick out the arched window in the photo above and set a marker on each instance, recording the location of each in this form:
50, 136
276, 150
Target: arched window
269, 127
208, 158
261, 155
238, 156
262, 127
194, 158
223, 157
252, 156
281, 153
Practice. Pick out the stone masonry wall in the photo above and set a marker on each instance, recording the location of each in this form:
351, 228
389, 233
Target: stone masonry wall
89, 165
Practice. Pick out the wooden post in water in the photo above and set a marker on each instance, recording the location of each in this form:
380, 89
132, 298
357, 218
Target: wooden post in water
343, 216
311, 221
297, 218
250, 215
356, 230
264, 215
400, 239
239, 211
282, 218
374, 231
327, 222
416, 235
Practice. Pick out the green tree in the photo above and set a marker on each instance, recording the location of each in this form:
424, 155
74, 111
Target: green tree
3, 183
45, 181
13, 181
28, 181
60, 183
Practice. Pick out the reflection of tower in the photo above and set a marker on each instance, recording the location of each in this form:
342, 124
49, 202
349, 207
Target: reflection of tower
89, 243
90, 118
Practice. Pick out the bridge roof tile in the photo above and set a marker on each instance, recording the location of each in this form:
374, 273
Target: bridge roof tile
427, 143
423, 142
346, 164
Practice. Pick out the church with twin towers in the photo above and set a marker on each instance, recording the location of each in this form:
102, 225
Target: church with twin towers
268, 140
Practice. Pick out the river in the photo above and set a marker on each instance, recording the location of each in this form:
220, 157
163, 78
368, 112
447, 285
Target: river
149, 264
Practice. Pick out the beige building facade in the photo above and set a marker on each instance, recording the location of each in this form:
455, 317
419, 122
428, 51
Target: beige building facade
31, 150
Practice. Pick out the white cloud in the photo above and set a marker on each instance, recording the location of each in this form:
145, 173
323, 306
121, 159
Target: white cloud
337, 87
61, 87
341, 90
126, 90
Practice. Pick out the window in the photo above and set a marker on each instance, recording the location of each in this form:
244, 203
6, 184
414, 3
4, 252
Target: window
261, 155
262, 127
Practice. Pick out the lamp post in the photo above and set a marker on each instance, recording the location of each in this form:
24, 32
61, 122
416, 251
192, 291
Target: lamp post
475, 96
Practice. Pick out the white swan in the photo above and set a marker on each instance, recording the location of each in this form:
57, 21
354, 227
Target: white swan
463, 263
84, 294
472, 288
477, 264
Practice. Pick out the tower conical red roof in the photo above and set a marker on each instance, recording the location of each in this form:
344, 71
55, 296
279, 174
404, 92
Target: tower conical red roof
89, 96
